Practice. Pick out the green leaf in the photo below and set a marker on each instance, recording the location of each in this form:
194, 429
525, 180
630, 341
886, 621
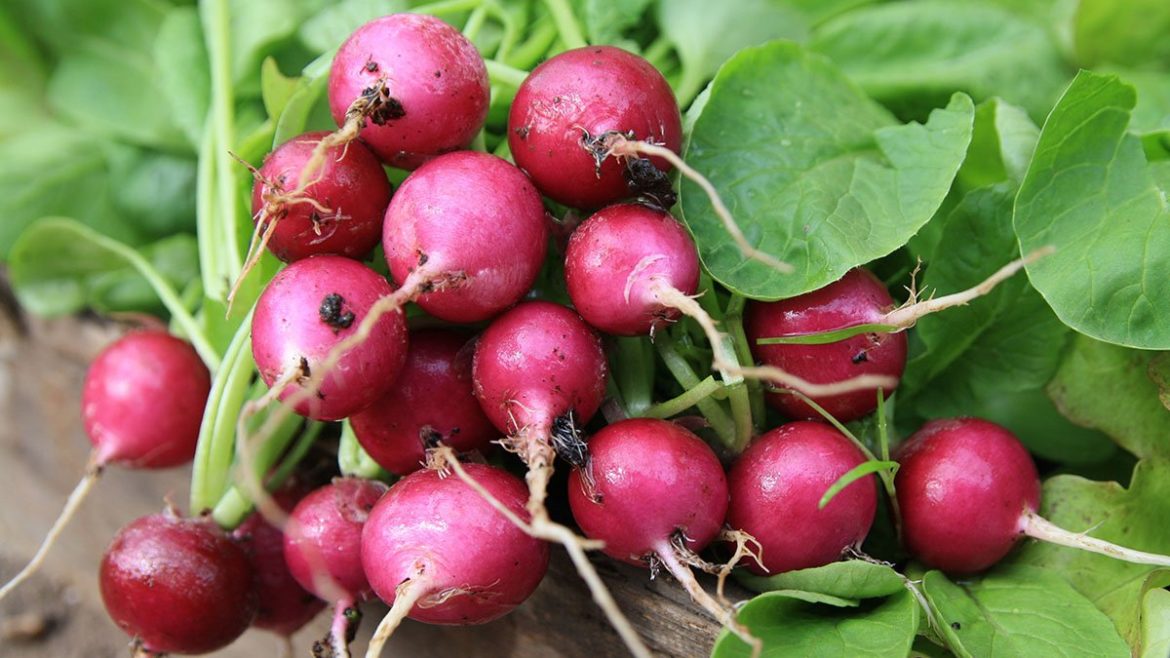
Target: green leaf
325, 30
258, 29
855, 474
1001, 146
152, 191
815, 173
184, 76
607, 20
1133, 517
911, 56
176, 259
790, 627
1020, 611
297, 115
276, 89
1128, 33
1152, 111
1159, 372
1089, 193
849, 579
1108, 388
1156, 624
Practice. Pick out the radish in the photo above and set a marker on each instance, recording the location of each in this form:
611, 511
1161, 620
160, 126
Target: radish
142, 404
657, 495
177, 585
576, 98
301, 330
776, 486
322, 548
540, 368
411, 86
969, 491
465, 235
436, 551
432, 400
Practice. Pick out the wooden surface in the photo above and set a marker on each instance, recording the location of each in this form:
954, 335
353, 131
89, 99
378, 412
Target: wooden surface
43, 451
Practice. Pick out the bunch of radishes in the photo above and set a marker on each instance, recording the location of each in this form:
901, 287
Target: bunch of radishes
465, 237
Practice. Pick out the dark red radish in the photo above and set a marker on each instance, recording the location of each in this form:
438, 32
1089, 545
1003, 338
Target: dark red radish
177, 585
322, 548
776, 486
437, 552
969, 492
305, 314
340, 212
857, 298
625, 267
283, 606
411, 86
431, 400
656, 494
470, 219
141, 405
577, 97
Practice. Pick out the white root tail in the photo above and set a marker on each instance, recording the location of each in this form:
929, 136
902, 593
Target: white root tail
405, 597
1038, 527
93, 471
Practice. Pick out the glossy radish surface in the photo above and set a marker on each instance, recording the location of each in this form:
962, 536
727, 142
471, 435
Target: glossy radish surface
306, 310
584, 93
470, 214
322, 546
653, 480
475, 564
143, 401
177, 585
776, 487
435, 80
964, 487
431, 399
349, 196
615, 260
857, 298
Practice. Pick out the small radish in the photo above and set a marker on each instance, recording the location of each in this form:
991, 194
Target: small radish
142, 404
309, 311
411, 86
969, 491
322, 548
472, 220
437, 551
657, 495
432, 400
573, 100
776, 487
177, 585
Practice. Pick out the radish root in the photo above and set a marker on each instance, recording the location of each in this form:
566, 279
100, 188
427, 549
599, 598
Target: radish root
1038, 527
745, 546
374, 104
405, 597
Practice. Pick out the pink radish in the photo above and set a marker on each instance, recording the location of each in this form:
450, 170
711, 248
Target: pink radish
436, 550
142, 404
431, 400
309, 309
472, 220
776, 487
657, 494
177, 585
322, 548
411, 86
969, 491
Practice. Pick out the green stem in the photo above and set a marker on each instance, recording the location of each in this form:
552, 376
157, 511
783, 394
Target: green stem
500, 73
733, 325
658, 50
633, 370
447, 7
228, 391
741, 415
678, 366
527, 54
234, 506
567, 25
352, 459
214, 284
689, 85
217, 28
475, 22
681, 403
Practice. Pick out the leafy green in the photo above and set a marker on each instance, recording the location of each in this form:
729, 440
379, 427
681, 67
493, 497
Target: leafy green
1156, 624
184, 78
1159, 372
607, 20
1018, 611
852, 580
815, 173
1001, 146
325, 30
1089, 193
1128, 33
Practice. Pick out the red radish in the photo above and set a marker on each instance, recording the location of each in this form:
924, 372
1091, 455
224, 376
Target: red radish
657, 494
857, 298
969, 491
411, 86
283, 605
437, 551
626, 264
431, 400
472, 217
776, 487
177, 585
307, 311
322, 548
142, 405
339, 213
576, 98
